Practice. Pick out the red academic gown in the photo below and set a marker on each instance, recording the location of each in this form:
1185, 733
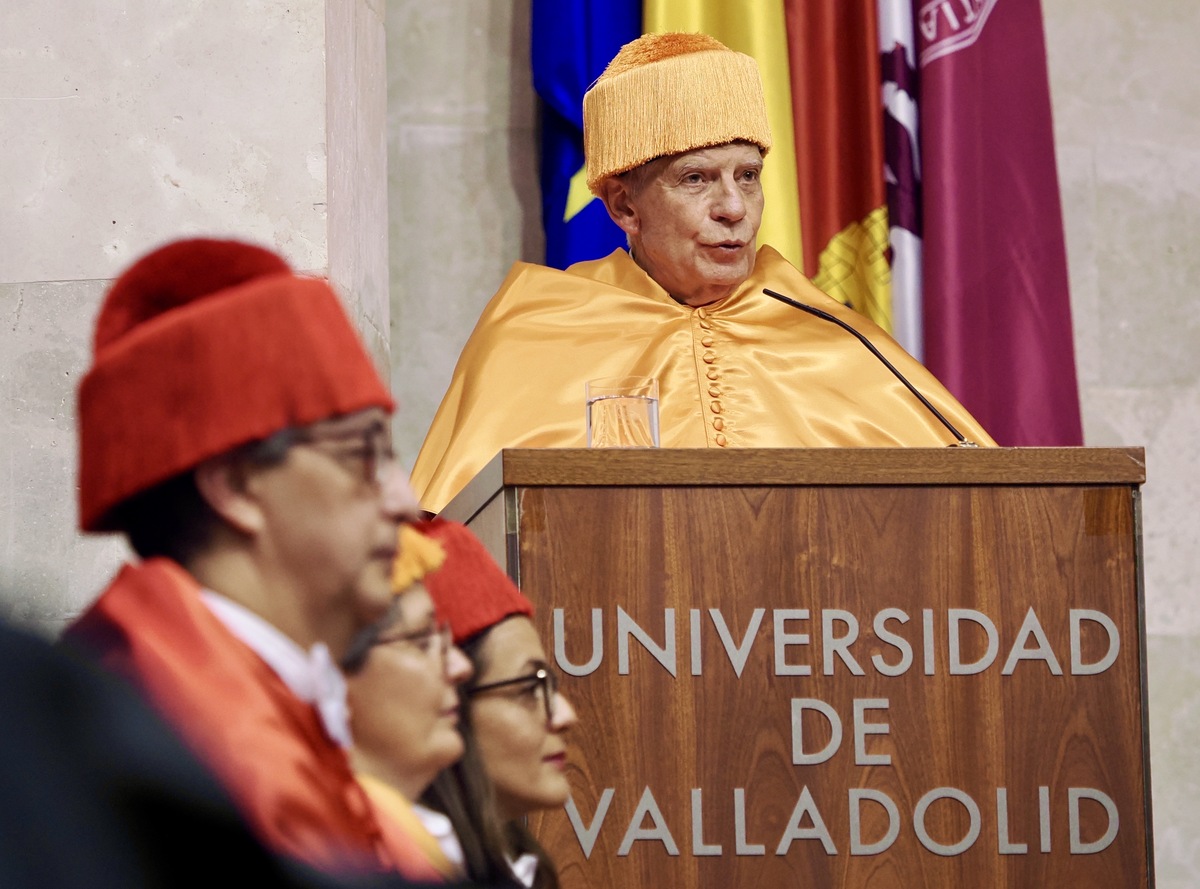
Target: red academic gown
267, 746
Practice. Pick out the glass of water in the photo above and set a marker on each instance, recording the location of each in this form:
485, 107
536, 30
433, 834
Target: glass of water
622, 412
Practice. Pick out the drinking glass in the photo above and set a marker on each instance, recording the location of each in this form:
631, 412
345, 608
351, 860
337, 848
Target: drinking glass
622, 412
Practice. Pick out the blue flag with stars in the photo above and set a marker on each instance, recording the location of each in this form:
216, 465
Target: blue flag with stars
573, 41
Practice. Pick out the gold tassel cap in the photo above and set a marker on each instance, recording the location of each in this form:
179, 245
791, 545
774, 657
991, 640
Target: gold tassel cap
665, 94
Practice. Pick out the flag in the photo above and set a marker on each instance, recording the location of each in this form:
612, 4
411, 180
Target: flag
572, 42
996, 307
838, 122
757, 29
902, 170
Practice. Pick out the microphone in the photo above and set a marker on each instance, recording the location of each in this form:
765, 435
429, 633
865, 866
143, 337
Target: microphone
960, 442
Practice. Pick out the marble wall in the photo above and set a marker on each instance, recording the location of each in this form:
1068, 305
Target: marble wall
1125, 80
356, 202
126, 125
462, 176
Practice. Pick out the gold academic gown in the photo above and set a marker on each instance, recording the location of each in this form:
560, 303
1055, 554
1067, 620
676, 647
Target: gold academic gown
747, 372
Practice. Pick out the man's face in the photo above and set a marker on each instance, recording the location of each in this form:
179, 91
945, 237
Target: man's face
693, 219
330, 517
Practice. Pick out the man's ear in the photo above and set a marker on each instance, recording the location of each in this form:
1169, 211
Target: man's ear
619, 203
225, 486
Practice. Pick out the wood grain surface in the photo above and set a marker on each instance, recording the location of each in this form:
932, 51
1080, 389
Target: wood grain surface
845, 552
549, 467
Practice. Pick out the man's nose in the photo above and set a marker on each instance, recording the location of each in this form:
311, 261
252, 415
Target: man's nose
396, 495
730, 203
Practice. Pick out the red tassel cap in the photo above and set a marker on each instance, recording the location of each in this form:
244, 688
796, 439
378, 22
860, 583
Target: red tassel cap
203, 346
470, 590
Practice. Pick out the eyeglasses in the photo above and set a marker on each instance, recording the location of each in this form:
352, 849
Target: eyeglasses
434, 640
541, 683
372, 446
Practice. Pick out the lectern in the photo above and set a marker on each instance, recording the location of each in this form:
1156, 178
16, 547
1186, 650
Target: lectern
838, 668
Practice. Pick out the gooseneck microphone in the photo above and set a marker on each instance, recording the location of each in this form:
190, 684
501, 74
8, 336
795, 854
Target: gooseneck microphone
960, 442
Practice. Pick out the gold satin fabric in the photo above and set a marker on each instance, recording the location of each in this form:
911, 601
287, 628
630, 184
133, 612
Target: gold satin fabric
395, 813
746, 372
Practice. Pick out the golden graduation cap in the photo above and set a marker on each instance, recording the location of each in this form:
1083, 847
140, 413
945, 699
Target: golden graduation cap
665, 94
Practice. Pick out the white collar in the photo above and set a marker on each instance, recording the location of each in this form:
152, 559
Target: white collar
525, 868
312, 676
439, 826
442, 830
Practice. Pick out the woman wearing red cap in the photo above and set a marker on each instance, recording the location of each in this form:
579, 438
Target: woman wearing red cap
404, 704
513, 723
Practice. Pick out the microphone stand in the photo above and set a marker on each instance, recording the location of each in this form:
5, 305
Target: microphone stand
960, 440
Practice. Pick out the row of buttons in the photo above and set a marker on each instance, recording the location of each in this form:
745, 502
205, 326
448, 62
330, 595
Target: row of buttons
714, 388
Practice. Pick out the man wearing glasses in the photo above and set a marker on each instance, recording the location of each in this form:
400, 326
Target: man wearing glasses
233, 428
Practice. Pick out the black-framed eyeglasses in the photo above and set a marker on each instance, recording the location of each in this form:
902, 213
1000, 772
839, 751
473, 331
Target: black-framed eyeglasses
542, 683
434, 640
372, 446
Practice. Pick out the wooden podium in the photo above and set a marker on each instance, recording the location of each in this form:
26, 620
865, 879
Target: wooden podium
838, 668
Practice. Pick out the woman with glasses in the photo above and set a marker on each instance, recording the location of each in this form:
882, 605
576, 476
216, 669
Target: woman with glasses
404, 705
513, 722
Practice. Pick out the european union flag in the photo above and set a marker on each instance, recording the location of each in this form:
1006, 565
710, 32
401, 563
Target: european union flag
573, 41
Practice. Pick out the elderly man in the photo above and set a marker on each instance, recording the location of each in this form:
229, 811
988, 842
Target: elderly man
675, 133
234, 429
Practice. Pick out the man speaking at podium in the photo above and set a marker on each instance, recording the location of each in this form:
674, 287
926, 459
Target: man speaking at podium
675, 136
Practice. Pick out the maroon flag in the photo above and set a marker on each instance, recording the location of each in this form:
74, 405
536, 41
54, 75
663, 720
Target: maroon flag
997, 316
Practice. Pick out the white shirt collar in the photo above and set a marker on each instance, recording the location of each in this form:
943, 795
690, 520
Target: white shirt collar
442, 830
312, 676
525, 868
439, 826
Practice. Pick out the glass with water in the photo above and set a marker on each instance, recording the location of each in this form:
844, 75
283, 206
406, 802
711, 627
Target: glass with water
622, 412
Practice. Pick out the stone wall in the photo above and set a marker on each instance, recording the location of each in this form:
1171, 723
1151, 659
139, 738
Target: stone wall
1123, 79
123, 127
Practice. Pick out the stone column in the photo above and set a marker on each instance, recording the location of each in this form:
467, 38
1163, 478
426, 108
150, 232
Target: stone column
462, 168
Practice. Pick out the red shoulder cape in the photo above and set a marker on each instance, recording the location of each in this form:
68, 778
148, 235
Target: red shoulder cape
265, 745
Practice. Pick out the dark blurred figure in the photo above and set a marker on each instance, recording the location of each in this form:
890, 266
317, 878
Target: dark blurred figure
96, 791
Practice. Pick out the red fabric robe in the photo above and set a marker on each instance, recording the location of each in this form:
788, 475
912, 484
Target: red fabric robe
268, 748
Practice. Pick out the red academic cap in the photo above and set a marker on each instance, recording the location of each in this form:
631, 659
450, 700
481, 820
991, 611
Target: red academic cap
202, 346
470, 590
